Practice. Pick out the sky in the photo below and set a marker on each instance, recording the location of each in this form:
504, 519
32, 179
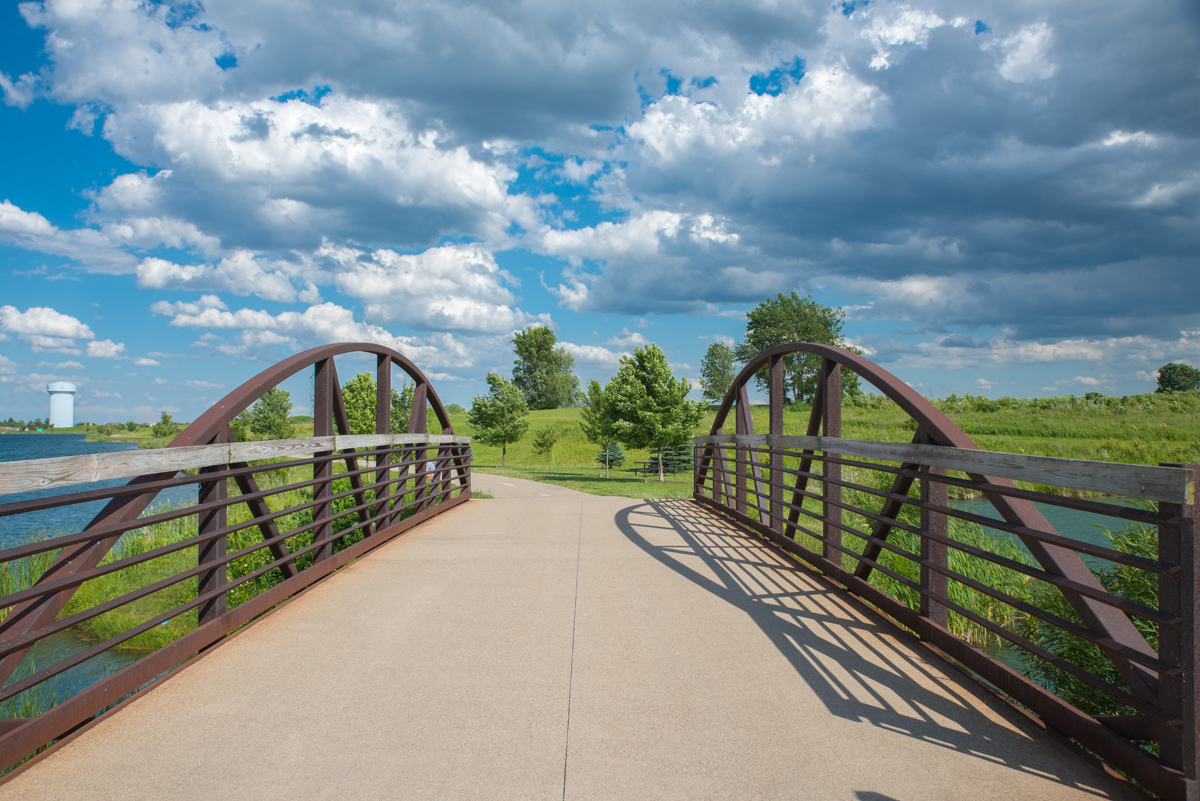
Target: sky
1004, 196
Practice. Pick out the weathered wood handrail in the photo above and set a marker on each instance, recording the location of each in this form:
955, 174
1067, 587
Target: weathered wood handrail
1150, 482
39, 474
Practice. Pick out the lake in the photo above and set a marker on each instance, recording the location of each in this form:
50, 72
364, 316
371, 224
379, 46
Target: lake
20, 529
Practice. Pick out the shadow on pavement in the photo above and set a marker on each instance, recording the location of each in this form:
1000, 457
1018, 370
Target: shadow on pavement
859, 665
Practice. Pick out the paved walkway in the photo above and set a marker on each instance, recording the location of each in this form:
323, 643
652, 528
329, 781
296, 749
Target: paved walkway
550, 644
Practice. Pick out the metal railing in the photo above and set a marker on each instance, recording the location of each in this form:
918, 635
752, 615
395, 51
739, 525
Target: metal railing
269, 519
878, 518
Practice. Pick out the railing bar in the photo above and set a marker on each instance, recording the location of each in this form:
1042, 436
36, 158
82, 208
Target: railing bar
100, 532
87, 496
1081, 504
54, 586
66, 664
51, 588
1124, 604
1080, 546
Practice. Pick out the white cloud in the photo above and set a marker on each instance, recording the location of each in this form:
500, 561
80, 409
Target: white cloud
453, 287
1026, 54
241, 274
579, 171
144, 362
105, 349
594, 355
7, 365
322, 323
895, 27
44, 329
1125, 137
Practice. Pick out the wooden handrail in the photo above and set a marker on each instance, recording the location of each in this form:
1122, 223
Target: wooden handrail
37, 474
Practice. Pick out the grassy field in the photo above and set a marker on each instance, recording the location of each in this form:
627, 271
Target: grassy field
1140, 429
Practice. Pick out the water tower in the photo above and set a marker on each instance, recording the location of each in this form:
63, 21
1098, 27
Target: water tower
62, 404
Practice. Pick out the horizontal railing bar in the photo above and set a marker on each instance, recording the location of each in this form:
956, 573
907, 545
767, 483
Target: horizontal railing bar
1098, 551
1170, 484
115, 603
1100, 684
1124, 604
66, 664
1150, 517
38, 474
52, 587
106, 530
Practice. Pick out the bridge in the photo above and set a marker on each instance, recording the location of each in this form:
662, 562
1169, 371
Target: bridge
414, 641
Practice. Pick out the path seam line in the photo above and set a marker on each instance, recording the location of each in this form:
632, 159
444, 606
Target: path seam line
571, 670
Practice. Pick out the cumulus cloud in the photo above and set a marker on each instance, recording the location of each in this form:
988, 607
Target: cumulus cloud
1026, 54
318, 324
105, 349
44, 329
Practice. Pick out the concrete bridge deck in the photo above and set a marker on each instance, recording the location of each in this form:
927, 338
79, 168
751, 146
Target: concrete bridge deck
550, 644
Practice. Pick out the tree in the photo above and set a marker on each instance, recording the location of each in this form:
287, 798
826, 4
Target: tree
455, 408
613, 455
544, 440
131, 426
164, 428
240, 426
497, 416
358, 395
542, 372
1177, 378
791, 318
648, 406
596, 420
270, 413
717, 372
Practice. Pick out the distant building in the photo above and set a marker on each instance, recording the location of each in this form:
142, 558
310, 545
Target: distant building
62, 404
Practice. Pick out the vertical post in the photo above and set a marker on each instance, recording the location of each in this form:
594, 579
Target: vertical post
383, 425
416, 425
1177, 595
741, 465
323, 427
831, 421
776, 428
933, 491
212, 551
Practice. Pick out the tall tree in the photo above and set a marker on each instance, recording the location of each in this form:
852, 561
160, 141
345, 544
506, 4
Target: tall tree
545, 374
791, 318
497, 416
649, 406
1177, 378
270, 413
359, 396
596, 420
717, 371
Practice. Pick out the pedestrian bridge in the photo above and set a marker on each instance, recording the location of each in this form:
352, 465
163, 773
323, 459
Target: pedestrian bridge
348, 615
550, 644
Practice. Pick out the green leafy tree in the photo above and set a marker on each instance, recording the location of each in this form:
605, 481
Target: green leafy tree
131, 426
544, 374
648, 405
164, 428
791, 318
717, 371
544, 440
240, 426
1178, 378
358, 394
269, 415
455, 408
597, 422
498, 416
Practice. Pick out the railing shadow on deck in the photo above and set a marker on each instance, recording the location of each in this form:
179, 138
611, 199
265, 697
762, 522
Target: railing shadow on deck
842, 650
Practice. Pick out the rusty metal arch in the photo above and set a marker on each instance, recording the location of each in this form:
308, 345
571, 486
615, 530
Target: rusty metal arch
213, 426
933, 427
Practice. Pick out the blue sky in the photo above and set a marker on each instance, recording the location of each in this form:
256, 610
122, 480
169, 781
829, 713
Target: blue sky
1003, 195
